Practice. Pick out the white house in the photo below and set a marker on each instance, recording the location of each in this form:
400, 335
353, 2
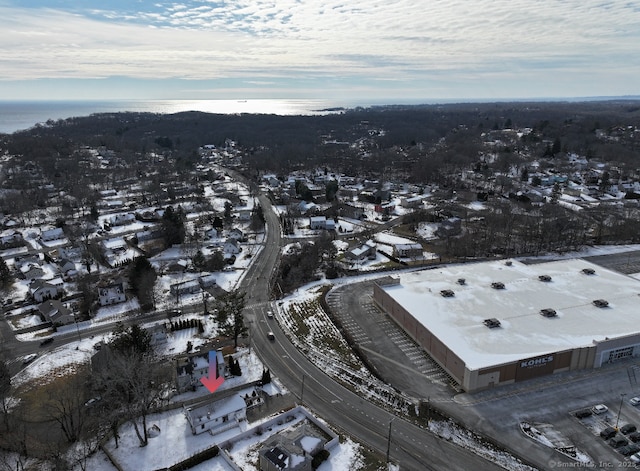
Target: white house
111, 294
217, 416
185, 287
321, 222
364, 251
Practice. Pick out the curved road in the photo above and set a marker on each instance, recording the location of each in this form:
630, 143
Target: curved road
410, 446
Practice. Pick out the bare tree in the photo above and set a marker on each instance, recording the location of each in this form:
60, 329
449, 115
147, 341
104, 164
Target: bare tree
131, 385
229, 309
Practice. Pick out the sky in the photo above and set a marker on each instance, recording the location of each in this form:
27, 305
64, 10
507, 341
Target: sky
318, 49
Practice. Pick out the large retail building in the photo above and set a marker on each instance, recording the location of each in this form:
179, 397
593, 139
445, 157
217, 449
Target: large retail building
495, 323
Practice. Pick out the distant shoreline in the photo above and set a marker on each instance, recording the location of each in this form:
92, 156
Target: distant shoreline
17, 115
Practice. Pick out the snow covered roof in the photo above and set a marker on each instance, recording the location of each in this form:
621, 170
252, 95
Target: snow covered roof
458, 320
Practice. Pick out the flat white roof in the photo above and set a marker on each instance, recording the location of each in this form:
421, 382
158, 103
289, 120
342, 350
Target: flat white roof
524, 332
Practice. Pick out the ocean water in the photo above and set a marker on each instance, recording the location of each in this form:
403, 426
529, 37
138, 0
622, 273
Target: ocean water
19, 115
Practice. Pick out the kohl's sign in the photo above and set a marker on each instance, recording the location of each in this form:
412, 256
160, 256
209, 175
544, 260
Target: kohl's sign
535, 362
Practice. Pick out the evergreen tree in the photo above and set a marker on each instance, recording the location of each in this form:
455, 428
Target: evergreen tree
131, 340
6, 278
142, 277
173, 226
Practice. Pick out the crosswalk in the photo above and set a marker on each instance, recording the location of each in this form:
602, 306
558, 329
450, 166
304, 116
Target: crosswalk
417, 358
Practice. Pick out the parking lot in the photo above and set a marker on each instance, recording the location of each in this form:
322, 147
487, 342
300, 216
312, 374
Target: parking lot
497, 413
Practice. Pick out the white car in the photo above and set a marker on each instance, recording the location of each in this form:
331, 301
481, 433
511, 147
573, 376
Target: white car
599, 409
29, 358
634, 401
270, 314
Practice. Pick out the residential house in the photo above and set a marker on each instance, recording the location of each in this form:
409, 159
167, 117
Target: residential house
158, 334
237, 234
42, 290
385, 208
407, 250
413, 202
31, 271
55, 312
111, 294
449, 228
322, 223
212, 233
208, 281
244, 215
217, 416
13, 239
190, 368
52, 234
291, 450
67, 268
350, 211
149, 215
362, 252
185, 287
231, 247
122, 219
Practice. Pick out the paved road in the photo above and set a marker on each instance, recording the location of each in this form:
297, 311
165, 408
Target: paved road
411, 446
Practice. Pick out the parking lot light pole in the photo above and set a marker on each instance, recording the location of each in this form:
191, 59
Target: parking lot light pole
389, 441
622, 395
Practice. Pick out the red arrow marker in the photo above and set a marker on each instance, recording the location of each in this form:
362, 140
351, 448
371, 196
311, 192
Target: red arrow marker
213, 382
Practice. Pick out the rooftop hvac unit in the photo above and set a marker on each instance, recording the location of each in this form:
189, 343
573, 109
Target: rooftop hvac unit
544, 278
461, 281
548, 312
447, 293
497, 285
588, 271
492, 323
600, 302
508, 263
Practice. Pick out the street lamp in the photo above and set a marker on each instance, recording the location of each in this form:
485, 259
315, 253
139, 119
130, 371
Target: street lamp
389, 441
622, 395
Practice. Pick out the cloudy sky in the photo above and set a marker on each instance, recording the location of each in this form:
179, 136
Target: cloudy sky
328, 49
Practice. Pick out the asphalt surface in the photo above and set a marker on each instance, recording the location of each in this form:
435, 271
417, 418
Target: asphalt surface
496, 414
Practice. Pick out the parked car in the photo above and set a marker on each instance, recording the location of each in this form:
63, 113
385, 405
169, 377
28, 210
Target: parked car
608, 433
582, 413
634, 437
29, 358
628, 428
634, 401
628, 450
635, 458
599, 409
92, 401
46, 341
618, 441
